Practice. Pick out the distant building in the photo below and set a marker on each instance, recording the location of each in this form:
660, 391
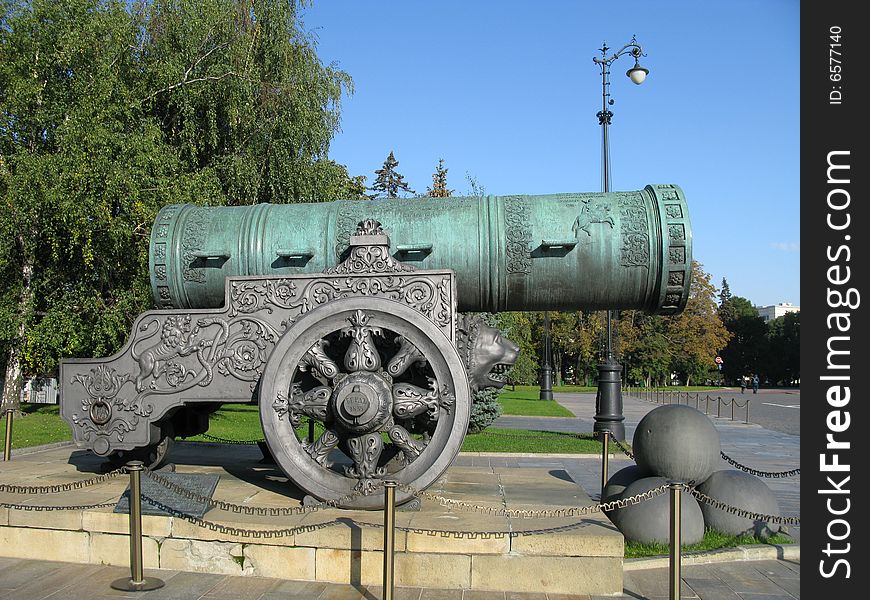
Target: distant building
768, 313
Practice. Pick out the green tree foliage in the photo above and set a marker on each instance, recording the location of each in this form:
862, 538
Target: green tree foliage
653, 347
784, 342
439, 182
475, 187
747, 350
110, 110
389, 182
724, 293
644, 348
520, 328
697, 334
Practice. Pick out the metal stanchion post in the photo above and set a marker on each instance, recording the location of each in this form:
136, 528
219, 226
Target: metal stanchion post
707, 405
718, 406
389, 537
137, 582
605, 444
7, 446
676, 542
732, 409
747, 410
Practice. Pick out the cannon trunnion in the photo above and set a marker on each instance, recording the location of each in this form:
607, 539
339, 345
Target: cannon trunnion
356, 335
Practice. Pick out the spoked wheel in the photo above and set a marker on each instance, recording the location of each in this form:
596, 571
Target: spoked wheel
388, 388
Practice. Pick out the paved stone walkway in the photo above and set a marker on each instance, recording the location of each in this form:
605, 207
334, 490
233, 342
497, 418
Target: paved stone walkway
751, 445
38, 580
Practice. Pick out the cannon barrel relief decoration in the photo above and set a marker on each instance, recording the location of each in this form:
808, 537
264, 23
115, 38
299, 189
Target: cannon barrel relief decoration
350, 313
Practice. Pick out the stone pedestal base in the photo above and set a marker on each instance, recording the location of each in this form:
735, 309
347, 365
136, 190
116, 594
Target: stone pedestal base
476, 552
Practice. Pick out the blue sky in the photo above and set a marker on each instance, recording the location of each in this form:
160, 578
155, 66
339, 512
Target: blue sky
506, 92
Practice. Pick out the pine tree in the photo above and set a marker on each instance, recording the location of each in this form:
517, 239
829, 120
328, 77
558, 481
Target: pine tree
726, 309
439, 182
389, 181
725, 293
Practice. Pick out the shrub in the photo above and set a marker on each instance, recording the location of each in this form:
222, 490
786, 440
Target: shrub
484, 410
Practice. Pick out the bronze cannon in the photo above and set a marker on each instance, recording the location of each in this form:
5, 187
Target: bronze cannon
350, 315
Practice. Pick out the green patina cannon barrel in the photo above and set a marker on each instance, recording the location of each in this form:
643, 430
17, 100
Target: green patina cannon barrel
591, 251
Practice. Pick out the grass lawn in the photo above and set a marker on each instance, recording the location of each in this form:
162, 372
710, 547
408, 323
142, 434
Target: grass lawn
39, 424
234, 422
713, 540
533, 391
532, 408
537, 442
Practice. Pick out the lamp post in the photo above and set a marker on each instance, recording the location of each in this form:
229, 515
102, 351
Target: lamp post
608, 400
546, 392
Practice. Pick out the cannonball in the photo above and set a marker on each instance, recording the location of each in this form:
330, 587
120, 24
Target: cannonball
649, 521
741, 490
617, 482
677, 442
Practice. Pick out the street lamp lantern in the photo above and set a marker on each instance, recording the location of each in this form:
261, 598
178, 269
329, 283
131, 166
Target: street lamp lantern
637, 73
608, 401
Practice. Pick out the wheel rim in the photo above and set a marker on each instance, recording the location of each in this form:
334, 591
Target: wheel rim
364, 387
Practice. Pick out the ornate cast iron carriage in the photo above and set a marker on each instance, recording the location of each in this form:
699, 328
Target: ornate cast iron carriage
318, 315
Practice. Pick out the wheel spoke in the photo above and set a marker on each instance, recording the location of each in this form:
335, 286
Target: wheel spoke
315, 402
362, 354
318, 361
407, 355
321, 448
365, 450
410, 447
410, 400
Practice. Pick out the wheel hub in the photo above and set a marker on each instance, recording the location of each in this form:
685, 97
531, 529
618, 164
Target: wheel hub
362, 402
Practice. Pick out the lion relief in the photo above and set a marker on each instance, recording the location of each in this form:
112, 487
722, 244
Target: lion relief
487, 354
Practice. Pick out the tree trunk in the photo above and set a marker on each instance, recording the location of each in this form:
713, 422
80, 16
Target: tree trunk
14, 376
12, 383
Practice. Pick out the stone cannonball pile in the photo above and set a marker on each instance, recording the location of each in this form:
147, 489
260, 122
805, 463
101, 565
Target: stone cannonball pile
679, 443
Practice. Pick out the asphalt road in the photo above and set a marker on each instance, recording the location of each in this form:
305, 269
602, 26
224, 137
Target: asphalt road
777, 409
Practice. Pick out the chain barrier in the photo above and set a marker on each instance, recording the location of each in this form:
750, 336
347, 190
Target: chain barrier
575, 511
40, 508
625, 449
733, 401
221, 440
654, 395
61, 487
252, 510
240, 531
757, 473
531, 437
462, 534
741, 512
531, 514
